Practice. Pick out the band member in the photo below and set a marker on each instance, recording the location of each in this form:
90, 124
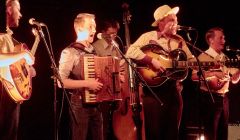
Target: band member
215, 108
9, 109
89, 122
106, 46
161, 120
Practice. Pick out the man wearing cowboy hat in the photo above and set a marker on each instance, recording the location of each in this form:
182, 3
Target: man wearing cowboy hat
161, 121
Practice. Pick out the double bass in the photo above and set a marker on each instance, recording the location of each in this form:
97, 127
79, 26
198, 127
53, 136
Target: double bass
128, 119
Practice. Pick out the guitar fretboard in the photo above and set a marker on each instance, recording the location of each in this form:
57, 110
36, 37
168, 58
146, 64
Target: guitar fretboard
184, 64
230, 63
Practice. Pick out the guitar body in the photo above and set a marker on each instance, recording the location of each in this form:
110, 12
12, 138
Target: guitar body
16, 77
17, 81
169, 62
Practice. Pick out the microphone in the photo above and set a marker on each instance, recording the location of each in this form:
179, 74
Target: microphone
32, 21
227, 48
179, 27
103, 36
107, 37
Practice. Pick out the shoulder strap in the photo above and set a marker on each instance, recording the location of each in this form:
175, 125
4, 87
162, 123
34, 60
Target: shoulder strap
80, 47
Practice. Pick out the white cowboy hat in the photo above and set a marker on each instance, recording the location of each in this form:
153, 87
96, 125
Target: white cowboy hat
162, 12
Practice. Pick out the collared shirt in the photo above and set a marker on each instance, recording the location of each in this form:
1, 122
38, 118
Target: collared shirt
212, 55
210, 51
168, 44
102, 48
6, 42
6, 46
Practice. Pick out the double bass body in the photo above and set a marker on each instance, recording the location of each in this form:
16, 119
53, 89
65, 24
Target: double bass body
128, 119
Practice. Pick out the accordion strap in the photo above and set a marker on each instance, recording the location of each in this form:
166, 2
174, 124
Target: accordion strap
80, 47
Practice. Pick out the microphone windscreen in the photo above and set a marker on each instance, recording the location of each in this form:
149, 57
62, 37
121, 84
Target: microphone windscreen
99, 36
31, 20
227, 48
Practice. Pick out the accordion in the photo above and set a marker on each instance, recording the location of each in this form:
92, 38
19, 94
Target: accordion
106, 70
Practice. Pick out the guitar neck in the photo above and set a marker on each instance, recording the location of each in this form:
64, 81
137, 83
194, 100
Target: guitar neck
230, 63
194, 64
36, 42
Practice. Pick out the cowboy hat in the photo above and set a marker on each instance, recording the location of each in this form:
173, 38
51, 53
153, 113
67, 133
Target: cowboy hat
162, 12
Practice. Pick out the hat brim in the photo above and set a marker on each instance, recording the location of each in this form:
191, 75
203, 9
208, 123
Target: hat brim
172, 11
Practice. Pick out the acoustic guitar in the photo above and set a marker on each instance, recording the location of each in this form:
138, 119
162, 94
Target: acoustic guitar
175, 63
17, 80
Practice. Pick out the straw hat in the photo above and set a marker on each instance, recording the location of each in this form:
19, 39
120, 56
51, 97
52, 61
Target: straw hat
162, 12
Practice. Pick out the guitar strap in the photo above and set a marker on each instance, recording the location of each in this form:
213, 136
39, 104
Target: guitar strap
169, 45
21, 45
180, 44
15, 42
176, 38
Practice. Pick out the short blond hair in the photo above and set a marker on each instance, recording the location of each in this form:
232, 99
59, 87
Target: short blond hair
80, 19
9, 2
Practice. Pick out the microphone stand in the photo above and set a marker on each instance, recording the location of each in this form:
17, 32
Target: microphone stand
56, 78
137, 108
139, 76
200, 74
200, 71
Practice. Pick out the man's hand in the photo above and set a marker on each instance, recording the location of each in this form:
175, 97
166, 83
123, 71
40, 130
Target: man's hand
94, 84
157, 65
28, 57
32, 71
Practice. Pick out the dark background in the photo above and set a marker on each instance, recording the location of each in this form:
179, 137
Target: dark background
37, 114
